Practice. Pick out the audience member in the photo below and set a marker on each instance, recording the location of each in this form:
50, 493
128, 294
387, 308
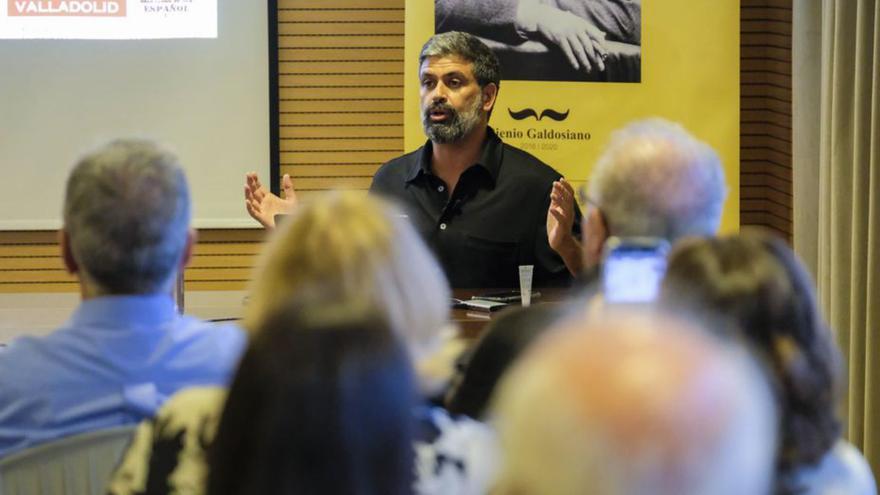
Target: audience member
125, 237
347, 247
340, 249
654, 179
635, 404
321, 403
756, 285
502, 341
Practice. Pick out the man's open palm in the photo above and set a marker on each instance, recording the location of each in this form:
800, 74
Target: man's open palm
262, 205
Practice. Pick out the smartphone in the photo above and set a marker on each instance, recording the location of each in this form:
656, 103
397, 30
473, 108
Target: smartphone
632, 268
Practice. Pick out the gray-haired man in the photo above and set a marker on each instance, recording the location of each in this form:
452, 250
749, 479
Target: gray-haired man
632, 403
125, 349
654, 179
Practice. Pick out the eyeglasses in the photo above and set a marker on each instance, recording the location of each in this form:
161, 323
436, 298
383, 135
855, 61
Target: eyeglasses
585, 199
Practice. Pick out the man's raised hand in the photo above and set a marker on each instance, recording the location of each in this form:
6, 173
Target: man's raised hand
560, 220
262, 205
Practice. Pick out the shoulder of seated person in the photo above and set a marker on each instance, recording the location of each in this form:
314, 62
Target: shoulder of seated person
849, 462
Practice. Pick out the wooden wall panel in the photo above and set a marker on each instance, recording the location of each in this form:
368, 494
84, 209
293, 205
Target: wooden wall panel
30, 261
341, 90
765, 115
341, 116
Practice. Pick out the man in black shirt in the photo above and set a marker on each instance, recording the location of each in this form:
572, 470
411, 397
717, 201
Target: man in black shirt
493, 220
483, 206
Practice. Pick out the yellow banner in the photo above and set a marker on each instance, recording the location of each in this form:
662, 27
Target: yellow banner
681, 63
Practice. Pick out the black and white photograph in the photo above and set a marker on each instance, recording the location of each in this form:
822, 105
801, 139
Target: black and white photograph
553, 40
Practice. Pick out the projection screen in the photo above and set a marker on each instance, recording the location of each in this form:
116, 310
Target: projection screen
195, 75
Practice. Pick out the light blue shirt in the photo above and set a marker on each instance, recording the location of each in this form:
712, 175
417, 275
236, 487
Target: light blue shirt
113, 363
842, 471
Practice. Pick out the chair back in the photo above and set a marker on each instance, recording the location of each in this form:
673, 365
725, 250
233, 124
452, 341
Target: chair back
77, 465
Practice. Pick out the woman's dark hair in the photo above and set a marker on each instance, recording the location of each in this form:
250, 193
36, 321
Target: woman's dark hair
321, 403
479, 370
755, 284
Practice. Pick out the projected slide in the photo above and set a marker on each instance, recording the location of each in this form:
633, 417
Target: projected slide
108, 19
207, 100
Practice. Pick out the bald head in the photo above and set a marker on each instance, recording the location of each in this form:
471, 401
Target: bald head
635, 404
656, 179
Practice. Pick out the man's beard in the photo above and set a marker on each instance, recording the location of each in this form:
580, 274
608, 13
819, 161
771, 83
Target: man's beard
457, 124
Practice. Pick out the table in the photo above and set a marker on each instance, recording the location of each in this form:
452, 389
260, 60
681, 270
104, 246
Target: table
40, 313
471, 323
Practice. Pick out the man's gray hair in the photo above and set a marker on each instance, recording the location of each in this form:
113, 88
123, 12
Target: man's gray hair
635, 402
127, 214
487, 68
656, 179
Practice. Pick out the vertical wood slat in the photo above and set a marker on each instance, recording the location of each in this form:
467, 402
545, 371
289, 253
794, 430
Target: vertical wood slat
341, 116
765, 115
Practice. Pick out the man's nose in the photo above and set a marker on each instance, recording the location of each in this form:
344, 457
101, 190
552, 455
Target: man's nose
439, 93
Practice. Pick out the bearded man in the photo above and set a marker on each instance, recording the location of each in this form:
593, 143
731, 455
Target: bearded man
483, 206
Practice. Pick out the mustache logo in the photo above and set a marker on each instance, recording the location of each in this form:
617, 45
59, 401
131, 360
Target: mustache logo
530, 112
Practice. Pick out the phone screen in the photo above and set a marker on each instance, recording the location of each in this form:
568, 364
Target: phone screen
632, 274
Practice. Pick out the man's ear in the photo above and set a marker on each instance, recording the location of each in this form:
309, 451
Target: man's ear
66, 252
595, 233
191, 237
490, 93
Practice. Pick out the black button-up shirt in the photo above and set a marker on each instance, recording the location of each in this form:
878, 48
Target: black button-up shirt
495, 220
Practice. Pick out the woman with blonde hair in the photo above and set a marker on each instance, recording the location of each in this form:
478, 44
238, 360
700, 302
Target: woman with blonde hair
348, 246
340, 248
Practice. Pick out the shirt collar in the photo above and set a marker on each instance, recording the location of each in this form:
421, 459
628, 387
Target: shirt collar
125, 310
490, 157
